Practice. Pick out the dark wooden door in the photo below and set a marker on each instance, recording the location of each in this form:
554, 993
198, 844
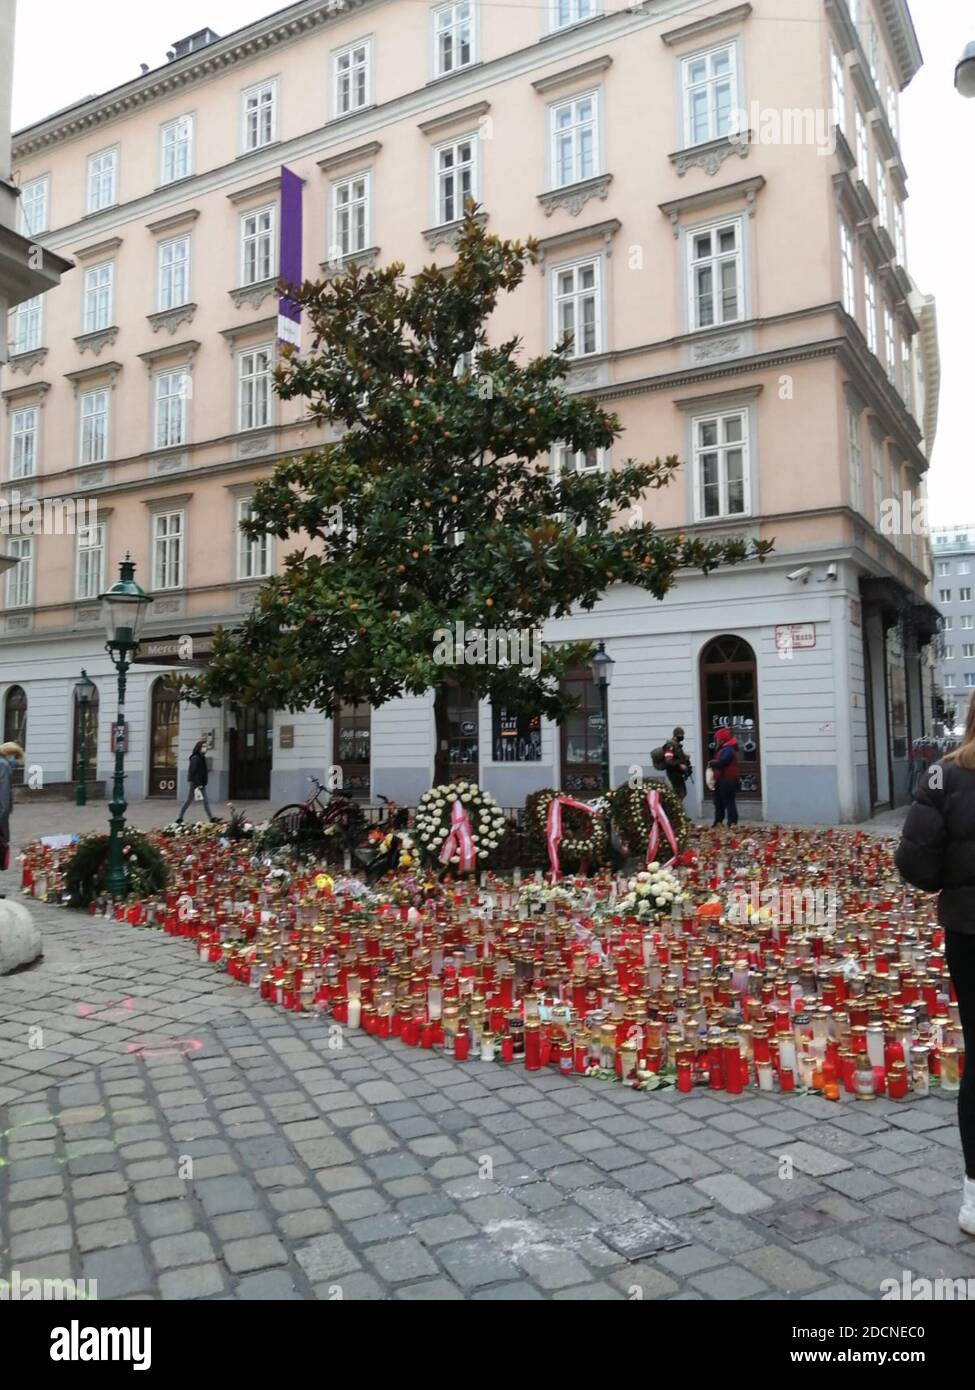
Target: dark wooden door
583, 735
86, 738
164, 741
251, 754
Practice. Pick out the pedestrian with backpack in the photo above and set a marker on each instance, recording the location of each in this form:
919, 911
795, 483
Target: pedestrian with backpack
671, 759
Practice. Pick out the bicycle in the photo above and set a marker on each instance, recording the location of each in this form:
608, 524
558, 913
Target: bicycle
343, 820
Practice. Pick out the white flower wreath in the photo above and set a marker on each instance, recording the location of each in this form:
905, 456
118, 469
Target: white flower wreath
432, 823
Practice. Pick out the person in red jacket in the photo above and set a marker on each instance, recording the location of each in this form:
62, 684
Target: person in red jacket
724, 764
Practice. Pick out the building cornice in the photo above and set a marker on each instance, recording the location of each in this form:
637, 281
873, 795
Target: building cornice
266, 188
464, 114
173, 221
699, 27
580, 73
98, 250
359, 154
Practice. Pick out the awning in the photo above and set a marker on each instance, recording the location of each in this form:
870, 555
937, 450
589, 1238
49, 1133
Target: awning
896, 601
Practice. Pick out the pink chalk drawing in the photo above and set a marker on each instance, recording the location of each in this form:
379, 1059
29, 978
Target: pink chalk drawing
165, 1047
108, 1013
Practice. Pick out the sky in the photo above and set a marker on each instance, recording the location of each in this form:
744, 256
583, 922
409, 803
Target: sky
101, 43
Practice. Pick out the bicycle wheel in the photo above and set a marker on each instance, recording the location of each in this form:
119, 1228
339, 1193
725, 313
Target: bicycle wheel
296, 822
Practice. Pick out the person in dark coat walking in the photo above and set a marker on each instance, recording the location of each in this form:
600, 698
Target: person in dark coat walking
198, 774
937, 855
724, 765
677, 764
11, 755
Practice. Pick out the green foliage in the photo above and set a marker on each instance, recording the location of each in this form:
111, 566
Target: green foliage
631, 817
438, 504
86, 870
585, 838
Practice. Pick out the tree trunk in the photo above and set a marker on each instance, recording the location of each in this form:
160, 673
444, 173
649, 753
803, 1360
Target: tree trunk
441, 731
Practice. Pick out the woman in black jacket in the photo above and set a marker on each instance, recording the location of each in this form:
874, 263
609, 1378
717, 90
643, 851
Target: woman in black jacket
198, 774
937, 855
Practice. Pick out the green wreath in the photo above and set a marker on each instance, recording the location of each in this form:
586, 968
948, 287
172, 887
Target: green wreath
86, 869
631, 817
585, 838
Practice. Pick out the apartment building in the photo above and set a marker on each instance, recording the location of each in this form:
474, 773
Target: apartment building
719, 197
953, 676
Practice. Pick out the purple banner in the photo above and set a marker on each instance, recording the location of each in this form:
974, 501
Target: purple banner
289, 261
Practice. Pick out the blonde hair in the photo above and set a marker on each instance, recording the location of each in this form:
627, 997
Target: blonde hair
964, 754
12, 750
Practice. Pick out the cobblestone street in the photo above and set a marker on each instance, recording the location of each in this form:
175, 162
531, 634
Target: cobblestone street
376, 1170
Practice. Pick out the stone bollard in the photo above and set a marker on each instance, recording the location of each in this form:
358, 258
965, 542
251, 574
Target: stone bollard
20, 939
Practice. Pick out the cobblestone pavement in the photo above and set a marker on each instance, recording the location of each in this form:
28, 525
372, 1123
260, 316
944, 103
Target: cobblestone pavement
380, 1171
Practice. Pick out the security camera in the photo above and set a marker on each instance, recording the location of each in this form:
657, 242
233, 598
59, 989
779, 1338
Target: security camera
830, 571
801, 575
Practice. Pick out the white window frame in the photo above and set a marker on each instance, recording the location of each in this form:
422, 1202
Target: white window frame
167, 278
877, 467
86, 414
168, 549
577, 296
258, 90
345, 81
90, 541
854, 442
946, 624
870, 307
965, 595
25, 425
949, 654
944, 569
967, 622
99, 297
341, 238
900, 238
710, 84
890, 345
262, 239
575, 131
863, 146
249, 416
714, 229
949, 682
35, 191
169, 413
944, 595
28, 328
907, 374
568, 460
837, 86
443, 176
253, 556
450, 12
849, 268
882, 197
20, 580
102, 182
967, 650
722, 447
563, 14
181, 148
964, 567
969, 680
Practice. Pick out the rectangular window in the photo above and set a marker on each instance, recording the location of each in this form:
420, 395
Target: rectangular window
562, 13
34, 207
170, 409
350, 216
99, 297
870, 307
964, 567
899, 237
709, 85
964, 595
907, 374
863, 147
949, 654
93, 406
848, 258
20, 580
456, 166
968, 649
254, 388
890, 346
453, 37
28, 320
837, 84
167, 550
881, 198
515, 738
260, 114
253, 555
176, 139
174, 273
720, 465
102, 180
575, 140
716, 275
946, 624
567, 460
944, 569
892, 112
350, 78
944, 595
949, 682
257, 246
879, 484
24, 428
577, 307
90, 571
966, 622
855, 450
969, 679
873, 51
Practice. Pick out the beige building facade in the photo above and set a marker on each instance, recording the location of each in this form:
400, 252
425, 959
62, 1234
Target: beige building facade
719, 197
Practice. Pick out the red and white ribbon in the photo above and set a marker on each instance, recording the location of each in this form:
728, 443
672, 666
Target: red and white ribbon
460, 839
553, 827
659, 820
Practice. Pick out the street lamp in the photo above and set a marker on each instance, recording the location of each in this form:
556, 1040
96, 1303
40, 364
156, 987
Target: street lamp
82, 694
601, 665
124, 607
965, 72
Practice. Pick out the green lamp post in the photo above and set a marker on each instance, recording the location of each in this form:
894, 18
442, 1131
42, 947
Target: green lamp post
601, 666
124, 607
82, 694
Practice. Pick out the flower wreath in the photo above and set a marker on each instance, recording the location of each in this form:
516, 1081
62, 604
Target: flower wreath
584, 835
459, 824
632, 816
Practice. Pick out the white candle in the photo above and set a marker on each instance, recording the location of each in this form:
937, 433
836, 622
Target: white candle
355, 1011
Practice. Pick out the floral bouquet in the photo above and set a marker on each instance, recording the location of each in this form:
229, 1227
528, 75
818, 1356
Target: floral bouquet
651, 893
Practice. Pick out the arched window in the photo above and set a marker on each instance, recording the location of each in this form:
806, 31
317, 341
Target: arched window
729, 699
